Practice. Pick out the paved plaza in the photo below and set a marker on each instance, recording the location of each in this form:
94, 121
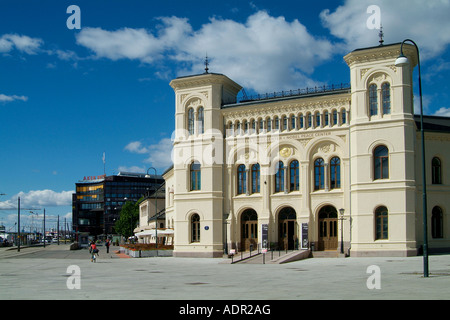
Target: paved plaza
55, 272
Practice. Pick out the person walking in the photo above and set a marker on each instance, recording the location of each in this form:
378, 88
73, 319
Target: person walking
107, 244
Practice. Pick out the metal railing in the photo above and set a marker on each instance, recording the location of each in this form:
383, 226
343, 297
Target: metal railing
292, 93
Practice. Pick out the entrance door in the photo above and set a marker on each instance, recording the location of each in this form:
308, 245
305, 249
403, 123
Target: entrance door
328, 231
249, 231
286, 231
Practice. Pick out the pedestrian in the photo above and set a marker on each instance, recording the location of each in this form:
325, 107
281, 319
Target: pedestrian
107, 244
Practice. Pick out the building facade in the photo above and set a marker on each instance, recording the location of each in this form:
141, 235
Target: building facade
97, 202
334, 168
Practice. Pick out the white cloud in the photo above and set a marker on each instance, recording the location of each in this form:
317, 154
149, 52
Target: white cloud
136, 147
5, 98
425, 22
21, 42
135, 169
264, 53
443, 112
159, 154
39, 199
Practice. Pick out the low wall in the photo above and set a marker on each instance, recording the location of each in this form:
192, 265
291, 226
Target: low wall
146, 253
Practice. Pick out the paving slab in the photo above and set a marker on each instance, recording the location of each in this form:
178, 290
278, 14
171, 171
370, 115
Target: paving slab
55, 272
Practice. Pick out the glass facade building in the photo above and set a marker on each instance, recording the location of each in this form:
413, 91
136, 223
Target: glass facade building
97, 203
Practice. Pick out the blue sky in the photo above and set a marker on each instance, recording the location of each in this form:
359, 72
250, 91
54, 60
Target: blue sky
68, 95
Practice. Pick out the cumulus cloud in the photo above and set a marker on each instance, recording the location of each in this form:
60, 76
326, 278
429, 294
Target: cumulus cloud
159, 154
39, 198
20, 42
426, 22
443, 112
264, 53
135, 169
136, 147
5, 98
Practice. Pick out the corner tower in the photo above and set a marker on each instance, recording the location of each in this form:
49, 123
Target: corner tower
199, 162
382, 140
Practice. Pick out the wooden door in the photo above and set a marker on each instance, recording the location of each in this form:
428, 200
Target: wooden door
249, 230
328, 229
249, 235
286, 234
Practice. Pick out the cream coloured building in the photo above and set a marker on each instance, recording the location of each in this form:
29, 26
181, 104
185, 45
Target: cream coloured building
334, 168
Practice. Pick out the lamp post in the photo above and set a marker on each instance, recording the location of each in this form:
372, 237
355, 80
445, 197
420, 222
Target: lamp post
341, 217
156, 208
401, 61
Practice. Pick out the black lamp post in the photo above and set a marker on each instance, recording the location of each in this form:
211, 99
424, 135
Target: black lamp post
401, 61
341, 217
156, 207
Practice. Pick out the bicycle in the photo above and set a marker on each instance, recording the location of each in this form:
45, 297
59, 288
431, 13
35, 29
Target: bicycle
94, 255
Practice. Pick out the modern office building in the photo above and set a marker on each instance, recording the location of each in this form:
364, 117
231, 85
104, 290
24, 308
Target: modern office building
333, 168
98, 200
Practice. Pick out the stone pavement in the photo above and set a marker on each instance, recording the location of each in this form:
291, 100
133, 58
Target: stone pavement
48, 273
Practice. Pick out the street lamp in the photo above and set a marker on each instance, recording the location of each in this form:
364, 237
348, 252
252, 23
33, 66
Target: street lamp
402, 60
156, 208
341, 217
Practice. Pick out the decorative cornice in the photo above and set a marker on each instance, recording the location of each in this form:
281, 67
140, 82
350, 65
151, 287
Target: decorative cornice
381, 53
204, 80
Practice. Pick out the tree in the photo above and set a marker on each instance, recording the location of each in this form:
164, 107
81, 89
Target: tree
129, 218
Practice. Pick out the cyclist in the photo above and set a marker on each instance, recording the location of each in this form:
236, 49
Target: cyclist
93, 250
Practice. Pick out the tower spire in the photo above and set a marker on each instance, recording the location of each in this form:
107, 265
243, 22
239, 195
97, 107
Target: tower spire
381, 35
206, 63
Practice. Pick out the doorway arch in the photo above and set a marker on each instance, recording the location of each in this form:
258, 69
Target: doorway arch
249, 229
287, 231
328, 228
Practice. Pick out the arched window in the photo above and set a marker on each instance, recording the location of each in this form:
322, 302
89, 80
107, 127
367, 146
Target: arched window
437, 223
255, 178
335, 117
293, 122
335, 173
386, 97
436, 174
238, 127
241, 179
201, 121
284, 121
381, 223
381, 163
195, 173
269, 125
261, 125
373, 100
344, 116
253, 126
319, 174
317, 116
294, 177
300, 121
195, 228
276, 123
279, 177
308, 120
326, 119
191, 121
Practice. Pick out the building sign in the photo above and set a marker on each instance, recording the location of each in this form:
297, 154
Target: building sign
92, 178
304, 236
265, 236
